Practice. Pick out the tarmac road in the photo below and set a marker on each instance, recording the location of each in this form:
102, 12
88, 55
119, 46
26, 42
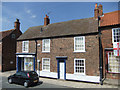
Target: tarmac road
41, 84
53, 83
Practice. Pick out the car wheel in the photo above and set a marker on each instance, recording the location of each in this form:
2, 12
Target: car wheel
10, 80
25, 84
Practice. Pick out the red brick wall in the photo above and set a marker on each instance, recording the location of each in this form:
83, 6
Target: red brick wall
9, 50
107, 43
65, 47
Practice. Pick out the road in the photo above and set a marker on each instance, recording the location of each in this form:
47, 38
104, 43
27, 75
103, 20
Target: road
52, 83
41, 84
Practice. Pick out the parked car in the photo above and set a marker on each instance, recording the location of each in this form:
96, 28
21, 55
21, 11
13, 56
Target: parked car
25, 78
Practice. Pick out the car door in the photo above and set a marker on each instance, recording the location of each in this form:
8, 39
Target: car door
23, 78
17, 77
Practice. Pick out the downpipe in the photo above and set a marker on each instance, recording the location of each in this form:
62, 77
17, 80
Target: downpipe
100, 54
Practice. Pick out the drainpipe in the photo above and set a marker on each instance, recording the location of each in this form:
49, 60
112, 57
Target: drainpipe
36, 50
100, 54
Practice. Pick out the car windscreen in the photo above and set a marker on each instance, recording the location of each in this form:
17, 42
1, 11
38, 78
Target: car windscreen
33, 74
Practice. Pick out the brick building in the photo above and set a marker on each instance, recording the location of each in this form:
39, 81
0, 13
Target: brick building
71, 50
109, 29
8, 47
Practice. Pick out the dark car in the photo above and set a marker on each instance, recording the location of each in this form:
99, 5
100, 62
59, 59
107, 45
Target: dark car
25, 78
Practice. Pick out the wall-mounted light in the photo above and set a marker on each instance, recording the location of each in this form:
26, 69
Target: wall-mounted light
38, 45
38, 61
11, 62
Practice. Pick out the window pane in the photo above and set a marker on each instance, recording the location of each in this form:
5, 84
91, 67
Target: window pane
79, 66
46, 64
116, 35
79, 43
25, 45
113, 63
46, 45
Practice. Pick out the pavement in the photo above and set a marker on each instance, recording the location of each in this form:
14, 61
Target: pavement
66, 83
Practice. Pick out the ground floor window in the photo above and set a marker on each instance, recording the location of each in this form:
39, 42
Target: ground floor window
28, 64
79, 66
46, 64
113, 63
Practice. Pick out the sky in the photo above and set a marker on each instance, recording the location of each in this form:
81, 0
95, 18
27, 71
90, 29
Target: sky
32, 13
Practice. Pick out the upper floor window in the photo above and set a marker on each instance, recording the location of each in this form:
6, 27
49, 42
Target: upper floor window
25, 46
46, 45
13, 35
79, 44
79, 66
116, 35
46, 64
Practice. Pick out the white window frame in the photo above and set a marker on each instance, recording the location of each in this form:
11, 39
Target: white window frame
75, 69
112, 65
43, 45
23, 42
83, 44
42, 64
113, 34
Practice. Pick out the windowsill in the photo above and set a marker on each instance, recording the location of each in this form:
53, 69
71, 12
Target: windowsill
82, 74
25, 51
45, 51
114, 72
79, 51
45, 71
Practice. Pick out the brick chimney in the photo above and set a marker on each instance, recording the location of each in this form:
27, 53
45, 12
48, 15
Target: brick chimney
100, 7
17, 24
46, 20
96, 11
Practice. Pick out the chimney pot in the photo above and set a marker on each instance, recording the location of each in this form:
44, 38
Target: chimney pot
96, 6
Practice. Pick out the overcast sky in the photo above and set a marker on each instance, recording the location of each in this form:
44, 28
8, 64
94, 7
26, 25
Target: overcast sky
33, 13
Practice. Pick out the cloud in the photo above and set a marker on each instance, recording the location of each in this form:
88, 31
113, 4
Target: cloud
28, 11
33, 16
5, 20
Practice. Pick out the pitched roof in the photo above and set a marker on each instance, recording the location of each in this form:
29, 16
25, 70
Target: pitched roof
73, 27
5, 33
111, 18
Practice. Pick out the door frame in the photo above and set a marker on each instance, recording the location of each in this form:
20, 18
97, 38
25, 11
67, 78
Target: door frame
61, 59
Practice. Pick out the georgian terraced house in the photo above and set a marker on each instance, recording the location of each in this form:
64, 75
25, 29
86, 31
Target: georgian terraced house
73, 50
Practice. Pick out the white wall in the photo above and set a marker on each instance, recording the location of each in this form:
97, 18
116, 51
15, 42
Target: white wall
71, 76
47, 74
83, 78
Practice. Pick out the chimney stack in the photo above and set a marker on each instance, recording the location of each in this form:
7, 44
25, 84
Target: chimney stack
17, 24
46, 20
98, 11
